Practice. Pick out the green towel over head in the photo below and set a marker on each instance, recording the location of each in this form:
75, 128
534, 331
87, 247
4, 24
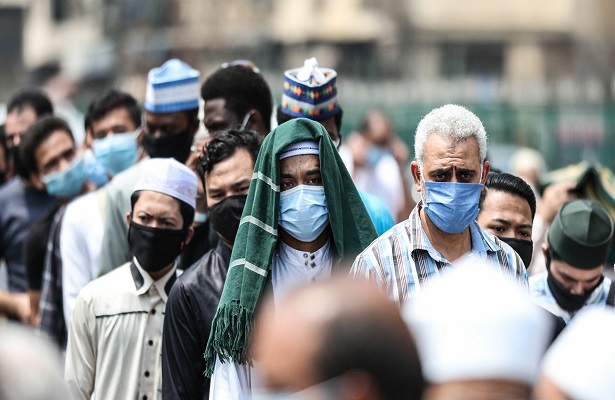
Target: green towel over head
257, 237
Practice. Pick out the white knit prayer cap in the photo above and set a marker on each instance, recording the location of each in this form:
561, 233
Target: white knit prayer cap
475, 322
168, 176
581, 362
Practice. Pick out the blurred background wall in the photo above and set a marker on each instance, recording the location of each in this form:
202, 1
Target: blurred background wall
538, 73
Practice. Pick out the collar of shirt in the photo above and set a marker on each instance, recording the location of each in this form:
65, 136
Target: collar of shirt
224, 252
143, 280
481, 244
304, 259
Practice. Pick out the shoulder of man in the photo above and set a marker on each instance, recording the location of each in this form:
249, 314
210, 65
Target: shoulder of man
205, 277
109, 284
124, 181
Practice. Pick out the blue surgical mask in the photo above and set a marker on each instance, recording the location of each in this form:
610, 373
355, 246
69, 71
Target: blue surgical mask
452, 206
116, 152
375, 155
68, 183
200, 217
94, 171
303, 212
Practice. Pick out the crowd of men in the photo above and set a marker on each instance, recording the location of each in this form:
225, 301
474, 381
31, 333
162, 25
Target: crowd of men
234, 257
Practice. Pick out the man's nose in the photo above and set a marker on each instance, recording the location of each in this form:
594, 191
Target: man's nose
577, 288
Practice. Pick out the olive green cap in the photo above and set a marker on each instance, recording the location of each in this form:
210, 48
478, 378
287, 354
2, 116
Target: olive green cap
581, 234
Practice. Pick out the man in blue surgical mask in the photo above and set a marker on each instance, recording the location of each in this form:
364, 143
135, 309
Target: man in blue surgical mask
449, 172
49, 156
111, 126
169, 125
303, 220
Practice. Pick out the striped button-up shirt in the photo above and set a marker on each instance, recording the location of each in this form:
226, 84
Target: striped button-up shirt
403, 260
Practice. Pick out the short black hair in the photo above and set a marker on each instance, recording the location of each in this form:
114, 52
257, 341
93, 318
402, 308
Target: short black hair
242, 89
282, 117
36, 134
224, 145
185, 209
34, 98
109, 101
511, 184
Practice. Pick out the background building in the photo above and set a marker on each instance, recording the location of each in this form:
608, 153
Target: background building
539, 74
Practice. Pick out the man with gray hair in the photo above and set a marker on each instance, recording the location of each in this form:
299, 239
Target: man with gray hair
449, 172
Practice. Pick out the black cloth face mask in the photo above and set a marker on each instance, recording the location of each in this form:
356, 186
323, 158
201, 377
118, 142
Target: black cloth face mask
225, 216
155, 248
175, 146
566, 300
523, 247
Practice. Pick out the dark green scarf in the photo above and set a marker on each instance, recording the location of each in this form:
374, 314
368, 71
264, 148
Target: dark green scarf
257, 237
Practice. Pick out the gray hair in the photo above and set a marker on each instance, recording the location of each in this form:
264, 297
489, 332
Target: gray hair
450, 121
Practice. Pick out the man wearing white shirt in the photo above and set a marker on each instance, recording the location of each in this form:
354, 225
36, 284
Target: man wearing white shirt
302, 221
115, 334
111, 122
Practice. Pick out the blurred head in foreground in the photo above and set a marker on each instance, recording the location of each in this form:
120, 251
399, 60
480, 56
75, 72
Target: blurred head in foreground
338, 339
581, 362
478, 335
30, 366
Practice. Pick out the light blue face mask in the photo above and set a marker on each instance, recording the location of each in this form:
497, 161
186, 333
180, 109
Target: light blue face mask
375, 155
303, 212
452, 206
116, 152
94, 171
68, 183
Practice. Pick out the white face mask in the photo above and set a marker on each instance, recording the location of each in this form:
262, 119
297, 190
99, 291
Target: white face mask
303, 212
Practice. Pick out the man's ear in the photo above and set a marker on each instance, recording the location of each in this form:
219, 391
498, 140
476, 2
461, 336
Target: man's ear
128, 219
545, 249
415, 170
36, 182
257, 123
189, 235
486, 168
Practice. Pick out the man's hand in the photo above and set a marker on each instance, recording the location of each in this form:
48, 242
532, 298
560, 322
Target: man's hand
16, 305
553, 198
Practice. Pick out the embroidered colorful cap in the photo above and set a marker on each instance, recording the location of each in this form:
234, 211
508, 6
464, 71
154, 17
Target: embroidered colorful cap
310, 92
172, 87
168, 176
581, 234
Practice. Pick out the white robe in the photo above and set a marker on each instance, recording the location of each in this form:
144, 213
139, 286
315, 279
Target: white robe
290, 269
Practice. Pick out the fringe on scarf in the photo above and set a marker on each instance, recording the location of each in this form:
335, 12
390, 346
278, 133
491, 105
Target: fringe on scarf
229, 336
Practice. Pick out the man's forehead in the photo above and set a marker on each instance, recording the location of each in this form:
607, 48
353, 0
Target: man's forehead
19, 117
152, 198
299, 163
116, 116
164, 118
440, 148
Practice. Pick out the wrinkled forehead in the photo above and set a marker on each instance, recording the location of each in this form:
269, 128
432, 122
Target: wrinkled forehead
442, 147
